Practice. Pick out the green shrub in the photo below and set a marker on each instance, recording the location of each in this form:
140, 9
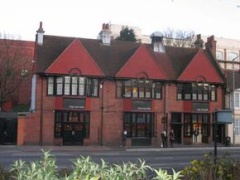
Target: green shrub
210, 168
44, 169
207, 168
128, 170
163, 175
4, 174
85, 168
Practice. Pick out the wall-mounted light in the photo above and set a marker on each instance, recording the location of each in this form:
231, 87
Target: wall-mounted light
24, 73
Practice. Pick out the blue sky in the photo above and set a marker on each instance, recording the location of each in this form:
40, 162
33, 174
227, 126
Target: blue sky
84, 18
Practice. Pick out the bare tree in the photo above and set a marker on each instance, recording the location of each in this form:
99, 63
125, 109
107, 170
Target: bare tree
179, 38
15, 65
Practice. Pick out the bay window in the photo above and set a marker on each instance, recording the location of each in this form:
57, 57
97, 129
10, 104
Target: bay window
73, 86
196, 91
139, 88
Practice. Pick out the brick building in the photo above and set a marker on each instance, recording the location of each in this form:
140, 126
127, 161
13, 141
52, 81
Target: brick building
87, 91
15, 85
227, 55
16, 57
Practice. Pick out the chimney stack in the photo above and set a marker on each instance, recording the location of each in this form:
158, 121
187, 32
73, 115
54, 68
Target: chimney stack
199, 42
211, 44
40, 33
105, 34
157, 42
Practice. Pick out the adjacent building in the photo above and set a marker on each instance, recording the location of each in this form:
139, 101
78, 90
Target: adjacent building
16, 60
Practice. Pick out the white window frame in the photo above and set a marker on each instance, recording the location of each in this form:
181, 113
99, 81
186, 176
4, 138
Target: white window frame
50, 90
236, 100
220, 55
237, 126
232, 55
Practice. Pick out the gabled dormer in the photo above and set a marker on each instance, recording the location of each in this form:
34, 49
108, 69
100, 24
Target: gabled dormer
74, 57
105, 34
201, 66
141, 62
157, 42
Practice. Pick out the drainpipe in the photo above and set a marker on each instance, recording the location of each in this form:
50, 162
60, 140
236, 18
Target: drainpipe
166, 108
101, 125
33, 94
41, 115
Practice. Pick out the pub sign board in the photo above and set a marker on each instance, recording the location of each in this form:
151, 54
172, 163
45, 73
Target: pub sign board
200, 107
73, 103
224, 116
142, 105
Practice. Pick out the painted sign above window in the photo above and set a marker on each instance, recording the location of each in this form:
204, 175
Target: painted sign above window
142, 105
72, 103
200, 107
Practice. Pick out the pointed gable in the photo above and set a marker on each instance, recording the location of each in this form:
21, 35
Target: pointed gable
200, 67
141, 62
74, 56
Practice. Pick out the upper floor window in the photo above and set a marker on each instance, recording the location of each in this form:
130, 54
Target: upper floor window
237, 126
232, 56
219, 55
139, 88
73, 86
236, 100
196, 91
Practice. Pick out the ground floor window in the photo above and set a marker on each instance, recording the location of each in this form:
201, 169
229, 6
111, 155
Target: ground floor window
199, 122
67, 119
138, 124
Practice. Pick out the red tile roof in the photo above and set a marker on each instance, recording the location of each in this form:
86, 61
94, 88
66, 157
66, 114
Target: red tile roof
134, 58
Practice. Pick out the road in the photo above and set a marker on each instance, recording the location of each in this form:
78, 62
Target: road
164, 158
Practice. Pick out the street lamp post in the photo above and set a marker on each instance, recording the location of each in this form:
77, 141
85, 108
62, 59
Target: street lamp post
233, 98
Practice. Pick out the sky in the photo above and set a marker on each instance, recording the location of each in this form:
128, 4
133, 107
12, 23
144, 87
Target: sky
19, 19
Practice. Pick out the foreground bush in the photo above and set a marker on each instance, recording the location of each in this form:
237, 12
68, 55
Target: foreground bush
209, 168
44, 169
85, 169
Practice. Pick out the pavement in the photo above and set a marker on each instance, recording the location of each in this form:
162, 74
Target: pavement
176, 147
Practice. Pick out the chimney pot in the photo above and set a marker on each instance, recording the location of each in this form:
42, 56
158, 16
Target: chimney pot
105, 34
107, 26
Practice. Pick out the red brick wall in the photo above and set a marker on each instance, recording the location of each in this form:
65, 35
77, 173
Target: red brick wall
95, 119
219, 104
30, 132
20, 131
44, 119
23, 53
47, 115
111, 119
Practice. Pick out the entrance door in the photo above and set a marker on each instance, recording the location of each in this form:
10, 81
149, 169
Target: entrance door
197, 133
220, 133
8, 131
72, 133
177, 132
